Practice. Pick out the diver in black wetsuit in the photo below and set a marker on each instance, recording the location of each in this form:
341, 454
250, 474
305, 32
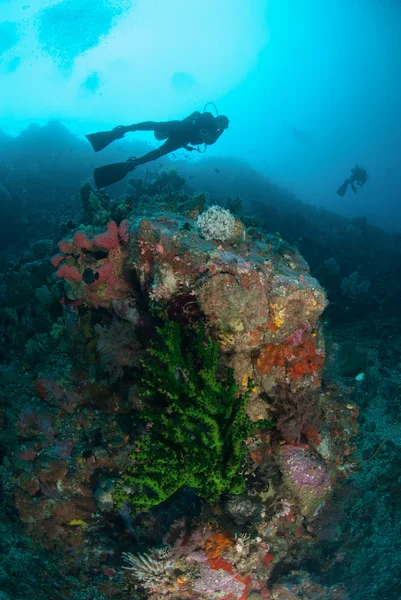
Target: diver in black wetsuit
359, 176
198, 128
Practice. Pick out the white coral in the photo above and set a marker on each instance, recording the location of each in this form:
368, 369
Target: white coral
150, 569
216, 224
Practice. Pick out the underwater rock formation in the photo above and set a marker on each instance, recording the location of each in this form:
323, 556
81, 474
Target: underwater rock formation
306, 477
143, 396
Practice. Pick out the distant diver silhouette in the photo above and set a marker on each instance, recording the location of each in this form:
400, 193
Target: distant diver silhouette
198, 128
359, 176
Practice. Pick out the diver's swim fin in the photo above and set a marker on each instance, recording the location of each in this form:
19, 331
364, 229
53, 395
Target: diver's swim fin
341, 190
110, 174
103, 138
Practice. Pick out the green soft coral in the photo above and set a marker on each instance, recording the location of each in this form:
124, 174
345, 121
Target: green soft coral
199, 423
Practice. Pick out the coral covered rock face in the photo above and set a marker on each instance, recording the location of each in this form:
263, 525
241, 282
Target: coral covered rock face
198, 363
262, 306
251, 296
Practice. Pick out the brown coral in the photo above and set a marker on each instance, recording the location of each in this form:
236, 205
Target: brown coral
297, 412
118, 347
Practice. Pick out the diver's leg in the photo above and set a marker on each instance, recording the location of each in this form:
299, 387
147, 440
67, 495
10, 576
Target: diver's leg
151, 125
144, 126
166, 148
109, 174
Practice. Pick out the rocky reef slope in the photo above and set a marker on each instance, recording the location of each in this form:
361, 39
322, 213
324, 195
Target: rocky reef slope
174, 420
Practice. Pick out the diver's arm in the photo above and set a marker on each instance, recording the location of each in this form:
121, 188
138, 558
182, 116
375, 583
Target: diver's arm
190, 148
168, 146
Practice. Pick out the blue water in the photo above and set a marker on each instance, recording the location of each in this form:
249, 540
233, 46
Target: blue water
310, 87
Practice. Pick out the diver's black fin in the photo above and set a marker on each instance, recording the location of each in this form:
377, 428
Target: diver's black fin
104, 138
110, 174
341, 190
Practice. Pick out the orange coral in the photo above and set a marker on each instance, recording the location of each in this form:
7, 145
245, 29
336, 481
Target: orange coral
312, 436
268, 559
307, 360
254, 337
267, 359
272, 327
217, 543
297, 360
221, 564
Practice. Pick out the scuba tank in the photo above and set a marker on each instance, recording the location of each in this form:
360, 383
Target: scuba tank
205, 133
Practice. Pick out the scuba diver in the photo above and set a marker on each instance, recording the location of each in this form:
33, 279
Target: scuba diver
198, 128
359, 176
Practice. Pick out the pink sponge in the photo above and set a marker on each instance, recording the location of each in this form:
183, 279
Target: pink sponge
123, 232
69, 273
108, 239
81, 241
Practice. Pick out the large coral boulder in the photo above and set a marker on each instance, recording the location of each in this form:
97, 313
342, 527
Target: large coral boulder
260, 304
306, 476
162, 273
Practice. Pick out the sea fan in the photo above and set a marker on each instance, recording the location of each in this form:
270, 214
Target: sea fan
296, 413
118, 347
